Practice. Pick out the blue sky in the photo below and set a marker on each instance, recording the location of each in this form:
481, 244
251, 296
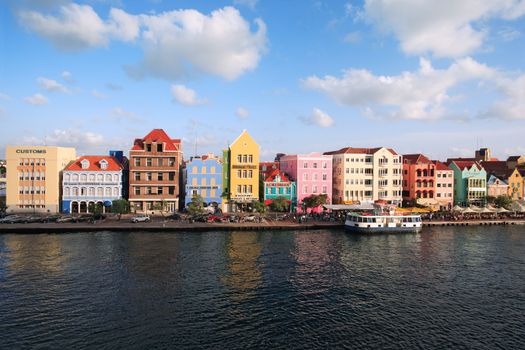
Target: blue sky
438, 77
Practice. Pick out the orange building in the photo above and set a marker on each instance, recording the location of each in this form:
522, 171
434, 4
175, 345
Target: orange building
419, 179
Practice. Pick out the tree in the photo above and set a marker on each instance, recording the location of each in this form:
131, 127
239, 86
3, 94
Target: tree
196, 206
259, 207
160, 207
491, 199
313, 201
503, 202
120, 206
279, 204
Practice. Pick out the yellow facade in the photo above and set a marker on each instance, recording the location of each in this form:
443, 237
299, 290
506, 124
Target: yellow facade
34, 177
244, 169
516, 183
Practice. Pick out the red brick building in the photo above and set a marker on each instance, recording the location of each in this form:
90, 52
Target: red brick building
154, 172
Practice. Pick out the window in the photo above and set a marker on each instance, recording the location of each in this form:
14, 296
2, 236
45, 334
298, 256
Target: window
83, 191
250, 189
159, 147
212, 170
149, 176
137, 161
108, 191
148, 161
148, 190
171, 190
305, 177
92, 191
239, 158
160, 161
83, 178
315, 165
171, 176
66, 192
314, 190
148, 147
103, 164
159, 190
100, 191
245, 158
305, 165
315, 176
203, 170
239, 188
115, 178
250, 158
108, 178
171, 161
91, 177
137, 177
137, 191
324, 189
239, 174
250, 174
305, 189
74, 191
160, 177
324, 165
324, 177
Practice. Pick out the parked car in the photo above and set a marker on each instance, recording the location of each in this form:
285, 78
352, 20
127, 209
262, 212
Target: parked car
11, 219
67, 218
33, 219
140, 218
51, 218
216, 218
175, 216
84, 218
99, 216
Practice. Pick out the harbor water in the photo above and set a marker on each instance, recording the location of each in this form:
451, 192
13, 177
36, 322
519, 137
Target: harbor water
446, 287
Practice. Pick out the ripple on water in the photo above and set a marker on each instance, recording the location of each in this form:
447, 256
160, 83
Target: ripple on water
443, 288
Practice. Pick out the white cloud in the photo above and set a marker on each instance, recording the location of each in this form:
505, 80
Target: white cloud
319, 118
79, 27
4, 96
114, 87
249, 3
411, 95
352, 38
446, 28
512, 105
119, 114
509, 34
242, 112
67, 77
36, 99
98, 94
85, 142
175, 43
186, 96
180, 43
52, 85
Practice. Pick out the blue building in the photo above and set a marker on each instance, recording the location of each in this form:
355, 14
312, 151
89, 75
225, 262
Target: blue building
204, 178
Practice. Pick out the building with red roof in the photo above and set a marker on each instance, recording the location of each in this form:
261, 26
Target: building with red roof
444, 185
154, 172
90, 182
419, 180
470, 182
366, 175
278, 185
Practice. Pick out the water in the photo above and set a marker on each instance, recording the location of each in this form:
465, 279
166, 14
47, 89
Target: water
457, 287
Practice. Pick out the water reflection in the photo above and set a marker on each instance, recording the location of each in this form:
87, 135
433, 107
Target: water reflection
243, 271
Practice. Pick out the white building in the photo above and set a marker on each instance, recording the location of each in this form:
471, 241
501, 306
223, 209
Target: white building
91, 181
366, 175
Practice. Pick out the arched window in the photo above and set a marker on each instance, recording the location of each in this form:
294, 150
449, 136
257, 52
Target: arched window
75, 191
425, 172
91, 177
108, 178
83, 191
108, 191
83, 178
92, 191
115, 191
115, 178
100, 192
100, 177
418, 172
67, 191
67, 177
75, 177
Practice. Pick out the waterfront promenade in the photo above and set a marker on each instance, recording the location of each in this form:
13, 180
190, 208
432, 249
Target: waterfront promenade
180, 226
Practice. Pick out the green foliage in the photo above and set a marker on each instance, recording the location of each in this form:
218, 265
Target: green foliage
503, 202
120, 206
491, 199
279, 204
259, 207
314, 200
196, 206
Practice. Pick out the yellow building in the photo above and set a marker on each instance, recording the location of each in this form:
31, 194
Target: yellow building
243, 172
516, 183
34, 177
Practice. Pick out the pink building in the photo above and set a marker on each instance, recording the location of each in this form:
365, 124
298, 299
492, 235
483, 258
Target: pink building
444, 185
312, 174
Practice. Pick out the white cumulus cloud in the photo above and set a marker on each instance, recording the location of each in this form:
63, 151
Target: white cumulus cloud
319, 118
36, 99
446, 28
242, 112
512, 104
186, 96
409, 95
67, 77
52, 85
79, 27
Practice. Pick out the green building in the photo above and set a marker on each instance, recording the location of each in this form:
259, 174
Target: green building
470, 182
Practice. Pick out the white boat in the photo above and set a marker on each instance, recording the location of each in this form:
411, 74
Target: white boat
382, 222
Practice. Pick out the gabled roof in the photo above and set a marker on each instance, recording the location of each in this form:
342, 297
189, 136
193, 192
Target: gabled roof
276, 172
513, 158
158, 136
94, 164
440, 165
353, 150
465, 164
492, 180
415, 158
498, 168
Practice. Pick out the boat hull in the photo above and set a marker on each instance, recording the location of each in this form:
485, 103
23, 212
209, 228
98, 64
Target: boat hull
350, 227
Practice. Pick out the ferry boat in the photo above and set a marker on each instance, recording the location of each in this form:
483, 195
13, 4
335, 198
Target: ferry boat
380, 221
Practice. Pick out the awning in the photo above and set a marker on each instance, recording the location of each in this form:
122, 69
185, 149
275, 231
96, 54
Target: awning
364, 206
107, 203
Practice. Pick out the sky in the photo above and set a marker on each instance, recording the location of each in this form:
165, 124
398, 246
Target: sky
441, 77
